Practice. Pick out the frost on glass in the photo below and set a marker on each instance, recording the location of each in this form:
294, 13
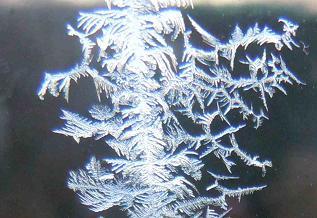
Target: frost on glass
150, 94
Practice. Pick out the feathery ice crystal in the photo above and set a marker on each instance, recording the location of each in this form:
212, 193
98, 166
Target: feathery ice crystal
128, 54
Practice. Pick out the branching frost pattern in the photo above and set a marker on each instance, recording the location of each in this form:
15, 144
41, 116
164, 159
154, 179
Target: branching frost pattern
127, 52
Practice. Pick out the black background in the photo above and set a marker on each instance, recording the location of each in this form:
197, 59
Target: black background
34, 162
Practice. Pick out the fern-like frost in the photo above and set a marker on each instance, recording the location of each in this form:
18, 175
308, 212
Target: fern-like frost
127, 53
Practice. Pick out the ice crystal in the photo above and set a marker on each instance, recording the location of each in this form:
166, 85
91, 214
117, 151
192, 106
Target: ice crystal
150, 92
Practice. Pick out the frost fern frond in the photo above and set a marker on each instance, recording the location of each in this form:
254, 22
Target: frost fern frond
148, 95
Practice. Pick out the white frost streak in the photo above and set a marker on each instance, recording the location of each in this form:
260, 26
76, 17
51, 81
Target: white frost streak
128, 56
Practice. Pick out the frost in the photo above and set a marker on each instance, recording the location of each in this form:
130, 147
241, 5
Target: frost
145, 93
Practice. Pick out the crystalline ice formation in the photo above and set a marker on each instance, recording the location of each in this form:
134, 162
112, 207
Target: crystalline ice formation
127, 52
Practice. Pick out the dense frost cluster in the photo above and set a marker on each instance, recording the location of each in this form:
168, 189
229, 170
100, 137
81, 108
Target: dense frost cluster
127, 51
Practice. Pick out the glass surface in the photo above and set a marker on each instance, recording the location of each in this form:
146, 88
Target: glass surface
34, 162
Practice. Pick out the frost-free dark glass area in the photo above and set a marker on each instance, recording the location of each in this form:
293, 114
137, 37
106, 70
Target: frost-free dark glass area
35, 162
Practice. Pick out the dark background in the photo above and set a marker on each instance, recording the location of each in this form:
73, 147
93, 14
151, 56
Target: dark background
34, 162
